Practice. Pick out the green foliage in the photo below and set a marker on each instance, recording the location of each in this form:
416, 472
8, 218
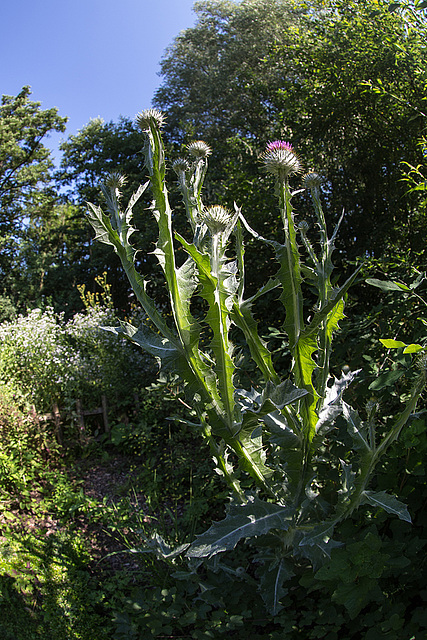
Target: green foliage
269, 443
100, 148
252, 71
26, 196
49, 360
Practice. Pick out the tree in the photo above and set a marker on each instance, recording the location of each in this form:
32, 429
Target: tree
89, 157
26, 191
254, 71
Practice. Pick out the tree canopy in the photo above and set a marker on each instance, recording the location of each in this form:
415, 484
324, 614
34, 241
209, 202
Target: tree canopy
308, 73
27, 194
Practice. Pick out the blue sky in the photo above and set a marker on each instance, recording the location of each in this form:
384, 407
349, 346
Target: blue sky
88, 58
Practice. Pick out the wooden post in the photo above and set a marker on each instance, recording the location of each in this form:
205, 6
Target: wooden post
105, 414
58, 426
137, 403
34, 414
81, 420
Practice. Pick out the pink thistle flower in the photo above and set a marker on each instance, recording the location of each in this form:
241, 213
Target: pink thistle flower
279, 144
280, 159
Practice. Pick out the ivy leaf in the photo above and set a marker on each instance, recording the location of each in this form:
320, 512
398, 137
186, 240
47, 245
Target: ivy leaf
388, 503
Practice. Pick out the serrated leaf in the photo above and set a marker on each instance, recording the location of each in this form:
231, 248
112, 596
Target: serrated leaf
155, 344
387, 502
321, 533
255, 518
162, 549
219, 293
317, 545
272, 576
281, 434
348, 478
332, 403
242, 317
102, 226
356, 428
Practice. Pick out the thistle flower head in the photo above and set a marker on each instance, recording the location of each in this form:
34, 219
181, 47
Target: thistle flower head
303, 226
112, 187
180, 166
199, 149
147, 117
280, 159
372, 406
216, 218
115, 180
312, 180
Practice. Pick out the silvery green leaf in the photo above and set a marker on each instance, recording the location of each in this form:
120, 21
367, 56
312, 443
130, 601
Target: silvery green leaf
387, 285
388, 503
281, 434
319, 534
347, 479
272, 576
255, 518
283, 394
319, 553
102, 226
318, 544
356, 428
332, 404
162, 549
155, 344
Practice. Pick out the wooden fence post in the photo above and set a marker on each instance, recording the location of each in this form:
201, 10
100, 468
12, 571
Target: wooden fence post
80, 417
58, 426
105, 414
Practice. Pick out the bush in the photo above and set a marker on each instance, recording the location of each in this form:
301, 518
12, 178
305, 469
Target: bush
49, 360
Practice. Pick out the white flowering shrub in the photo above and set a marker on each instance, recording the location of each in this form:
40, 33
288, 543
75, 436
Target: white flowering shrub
50, 360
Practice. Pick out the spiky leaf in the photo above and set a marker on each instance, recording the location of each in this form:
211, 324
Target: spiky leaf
387, 502
255, 518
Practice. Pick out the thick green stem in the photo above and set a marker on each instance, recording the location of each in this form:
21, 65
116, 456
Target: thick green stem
372, 458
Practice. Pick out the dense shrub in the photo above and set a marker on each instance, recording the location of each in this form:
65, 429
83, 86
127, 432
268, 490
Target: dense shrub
49, 360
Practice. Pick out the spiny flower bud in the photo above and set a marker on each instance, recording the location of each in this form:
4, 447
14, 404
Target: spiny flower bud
280, 159
303, 226
115, 180
180, 165
216, 219
199, 149
312, 180
146, 118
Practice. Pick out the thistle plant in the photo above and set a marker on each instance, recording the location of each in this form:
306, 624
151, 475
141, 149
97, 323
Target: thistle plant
270, 443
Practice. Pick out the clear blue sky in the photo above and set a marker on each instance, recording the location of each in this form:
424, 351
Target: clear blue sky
88, 58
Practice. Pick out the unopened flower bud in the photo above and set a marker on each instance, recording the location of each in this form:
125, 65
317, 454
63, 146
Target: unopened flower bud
180, 166
199, 149
303, 226
216, 219
115, 180
146, 118
312, 180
